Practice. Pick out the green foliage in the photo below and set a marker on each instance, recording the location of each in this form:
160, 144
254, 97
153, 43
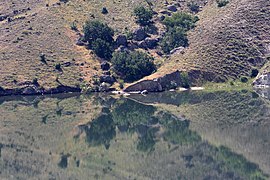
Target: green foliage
182, 20
129, 113
175, 37
177, 132
73, 26
254, 73
58, 67
133, 65
101, 131
143, 16
147, 141
222, 3
193, 6
177, 26
104, 10
185, 82
100, 38
235, 162
244, 79
102, 48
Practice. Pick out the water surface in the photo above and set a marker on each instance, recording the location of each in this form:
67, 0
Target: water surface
172, 135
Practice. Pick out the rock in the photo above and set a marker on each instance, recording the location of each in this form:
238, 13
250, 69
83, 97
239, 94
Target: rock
105, 66
144, 92
30, 90
178, 50
165, 12
104, 87
262, 81
172, 8
158, 84
142, 44
121, 40
80, 42
139, 34
107, 79
151, 43
2, 18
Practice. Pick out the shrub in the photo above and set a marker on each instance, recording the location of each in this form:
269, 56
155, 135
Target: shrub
100, 38
42, 58
194, 7
143, 16
104, 10
73, 26
244, 79
185, 82
132, 66
175, 37
254, 73
102, 48
58, 67
222, 3
183, 20
96, 29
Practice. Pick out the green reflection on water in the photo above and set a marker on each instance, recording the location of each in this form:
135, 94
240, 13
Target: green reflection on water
82, 137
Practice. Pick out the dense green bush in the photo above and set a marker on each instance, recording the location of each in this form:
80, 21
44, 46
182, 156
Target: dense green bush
182, 20
100, 38
143, 16
175, 37
222, 3
133, 65
102, 48
177, 26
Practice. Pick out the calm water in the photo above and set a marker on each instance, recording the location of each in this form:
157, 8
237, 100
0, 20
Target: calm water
173, 135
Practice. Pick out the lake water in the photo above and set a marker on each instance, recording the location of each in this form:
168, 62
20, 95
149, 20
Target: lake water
172, 135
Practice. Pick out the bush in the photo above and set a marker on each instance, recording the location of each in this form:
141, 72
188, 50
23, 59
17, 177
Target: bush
222, 3
143, 16
132, 66
244, 79
185, 82
102, 48
58, 67
104, 10
96, 29
73, 26
100, 38
177, 26
254, 73
194, 7
175, 37
183, 20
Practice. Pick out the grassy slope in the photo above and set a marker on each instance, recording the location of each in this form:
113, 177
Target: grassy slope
227, 42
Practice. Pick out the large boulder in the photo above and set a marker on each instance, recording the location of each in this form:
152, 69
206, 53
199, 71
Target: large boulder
178, 50
139, 34
105, 66
121, 40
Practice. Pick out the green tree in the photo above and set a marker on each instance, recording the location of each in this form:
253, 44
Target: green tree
143, 16
175, 37
133, 65
100, 38
102, 48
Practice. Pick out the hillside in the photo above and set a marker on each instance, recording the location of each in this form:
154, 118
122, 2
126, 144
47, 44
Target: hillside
38, 45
